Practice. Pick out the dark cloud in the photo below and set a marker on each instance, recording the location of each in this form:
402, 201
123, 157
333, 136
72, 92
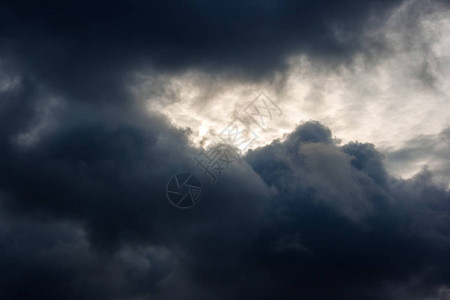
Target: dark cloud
86, 50
83, 213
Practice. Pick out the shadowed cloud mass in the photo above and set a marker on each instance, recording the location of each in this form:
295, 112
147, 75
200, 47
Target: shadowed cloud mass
84, 164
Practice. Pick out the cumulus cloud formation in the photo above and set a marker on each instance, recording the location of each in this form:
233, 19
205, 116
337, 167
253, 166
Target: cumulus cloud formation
102, 103
289, 219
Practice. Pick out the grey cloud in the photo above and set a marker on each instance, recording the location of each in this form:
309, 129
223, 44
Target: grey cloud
82, 202
87, 52
425, 151
286, 221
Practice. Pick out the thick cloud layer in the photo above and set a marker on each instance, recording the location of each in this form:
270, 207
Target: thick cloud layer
86, 49
84, 215
84, 166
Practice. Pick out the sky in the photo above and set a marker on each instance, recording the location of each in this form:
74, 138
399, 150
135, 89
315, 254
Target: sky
343, 192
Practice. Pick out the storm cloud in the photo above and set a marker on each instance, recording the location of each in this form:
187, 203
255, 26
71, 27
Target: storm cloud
84, 162
96, 44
